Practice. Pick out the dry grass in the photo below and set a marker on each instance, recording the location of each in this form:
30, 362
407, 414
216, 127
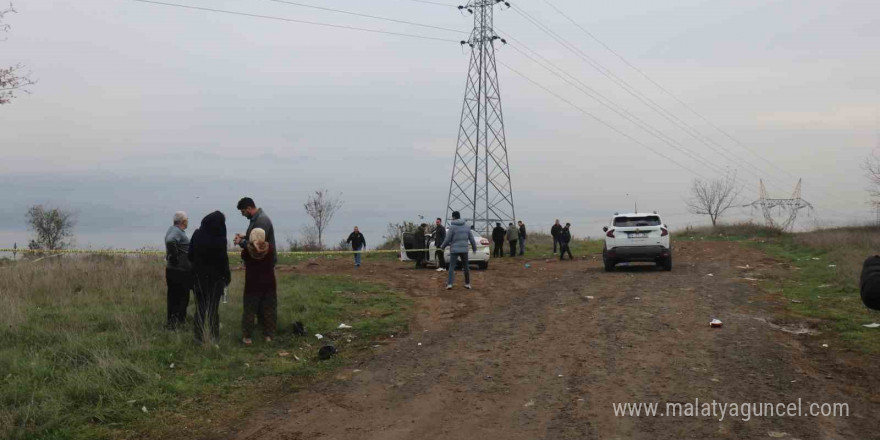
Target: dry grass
847, 247
83, 347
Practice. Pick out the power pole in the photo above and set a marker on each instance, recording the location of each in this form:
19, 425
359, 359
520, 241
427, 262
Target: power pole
480, 187
791, 206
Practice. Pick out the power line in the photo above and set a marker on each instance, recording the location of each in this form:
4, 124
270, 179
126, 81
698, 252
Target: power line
434, 3
597, 119
630, 89
590, 92
357, 14
770, 177
651, 80
291, 20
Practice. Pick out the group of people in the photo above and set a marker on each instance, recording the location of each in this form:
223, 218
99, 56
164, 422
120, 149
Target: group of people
514, 235
561, 236
201, 264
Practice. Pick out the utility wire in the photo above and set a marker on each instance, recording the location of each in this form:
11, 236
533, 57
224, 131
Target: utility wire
629, 89
597, 119
434, 3
683, 104
357, 14
291, 20
603, 100
651, 80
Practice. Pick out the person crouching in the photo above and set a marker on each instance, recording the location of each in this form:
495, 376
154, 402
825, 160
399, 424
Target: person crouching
260, 297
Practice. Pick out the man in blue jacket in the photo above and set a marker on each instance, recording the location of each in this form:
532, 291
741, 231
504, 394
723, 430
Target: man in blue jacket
457, 238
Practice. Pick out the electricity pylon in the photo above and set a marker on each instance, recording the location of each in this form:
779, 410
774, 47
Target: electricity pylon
480, 187
789, 206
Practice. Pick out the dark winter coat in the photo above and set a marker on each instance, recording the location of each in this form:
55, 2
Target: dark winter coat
439, 235
498, 234
207, 252
555, 230
565, 236
522, 232
357, 240
259, 274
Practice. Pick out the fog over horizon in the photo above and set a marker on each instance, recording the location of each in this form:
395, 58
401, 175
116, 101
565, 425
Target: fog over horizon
141, 110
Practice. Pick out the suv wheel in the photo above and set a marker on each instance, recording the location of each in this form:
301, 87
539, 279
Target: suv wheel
483, 265
609, 264
666, 264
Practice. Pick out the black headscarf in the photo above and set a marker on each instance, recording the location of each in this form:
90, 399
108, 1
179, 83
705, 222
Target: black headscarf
208, 245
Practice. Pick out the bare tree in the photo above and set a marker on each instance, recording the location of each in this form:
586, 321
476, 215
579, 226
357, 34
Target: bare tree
12, 78
872, 167
52, 227
714, 197
321, 207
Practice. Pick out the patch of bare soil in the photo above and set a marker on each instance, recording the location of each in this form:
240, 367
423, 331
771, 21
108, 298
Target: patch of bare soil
544, 352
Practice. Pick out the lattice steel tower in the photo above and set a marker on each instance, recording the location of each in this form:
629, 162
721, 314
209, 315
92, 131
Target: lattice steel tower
790, 207
480, 188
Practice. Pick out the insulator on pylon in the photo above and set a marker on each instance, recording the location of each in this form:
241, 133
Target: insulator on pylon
463, 42
460, 7
470, 10
507, 3
504, 41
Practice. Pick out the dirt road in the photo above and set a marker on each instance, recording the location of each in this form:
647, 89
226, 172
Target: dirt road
543, 353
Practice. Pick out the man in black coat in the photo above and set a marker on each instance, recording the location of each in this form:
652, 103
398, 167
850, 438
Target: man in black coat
564, 239
554, 232
422, 243
439, 235
498, 235
358, 243
522, 237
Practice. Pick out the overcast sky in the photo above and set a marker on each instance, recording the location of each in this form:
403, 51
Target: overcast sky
141, 110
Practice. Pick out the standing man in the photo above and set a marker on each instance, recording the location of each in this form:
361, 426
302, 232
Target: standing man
522, 238
258, 219
458, 238
564, 240
439, 236
512, 238
358, 244
554, 232
422, 254
498, 234
178, 270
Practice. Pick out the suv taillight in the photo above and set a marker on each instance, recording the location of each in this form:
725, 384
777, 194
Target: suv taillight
484, 242
663, 232
610, 233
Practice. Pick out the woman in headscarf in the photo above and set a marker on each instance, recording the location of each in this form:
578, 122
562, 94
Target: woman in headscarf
207, 252
260, 298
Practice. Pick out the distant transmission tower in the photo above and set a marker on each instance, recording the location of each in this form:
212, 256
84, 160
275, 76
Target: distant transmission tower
480, 187
790, 207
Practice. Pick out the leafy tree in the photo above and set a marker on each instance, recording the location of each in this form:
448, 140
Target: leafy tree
52, 227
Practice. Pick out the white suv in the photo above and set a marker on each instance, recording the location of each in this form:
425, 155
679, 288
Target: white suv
636, 237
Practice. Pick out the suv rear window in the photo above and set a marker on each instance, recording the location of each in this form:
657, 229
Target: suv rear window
648, 220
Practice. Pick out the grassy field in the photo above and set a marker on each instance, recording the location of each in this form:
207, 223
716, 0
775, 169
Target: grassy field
825, 285
83, 352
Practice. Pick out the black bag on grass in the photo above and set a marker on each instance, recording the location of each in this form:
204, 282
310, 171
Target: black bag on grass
870, 283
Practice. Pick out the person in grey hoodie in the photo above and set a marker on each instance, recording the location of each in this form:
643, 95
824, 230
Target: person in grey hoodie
258, 219
512, 238
457, 238
178, 271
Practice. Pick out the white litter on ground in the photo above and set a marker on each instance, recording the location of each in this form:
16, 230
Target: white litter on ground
344, 325
715, 323
319, 336
873, 325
